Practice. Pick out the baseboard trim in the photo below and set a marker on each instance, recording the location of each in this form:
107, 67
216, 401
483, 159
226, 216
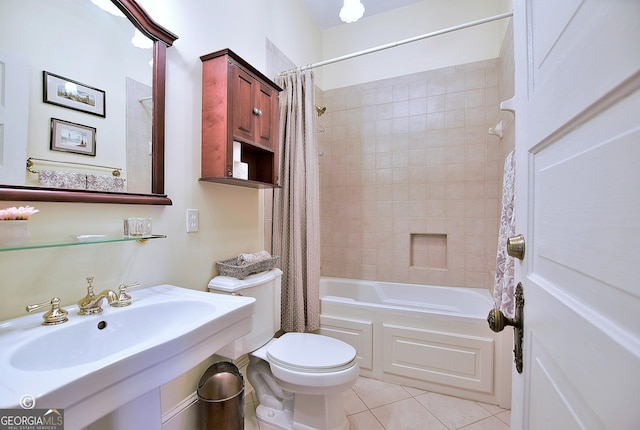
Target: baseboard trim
180, 407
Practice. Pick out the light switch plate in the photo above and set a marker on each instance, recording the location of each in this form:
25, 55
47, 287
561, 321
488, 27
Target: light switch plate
193, 222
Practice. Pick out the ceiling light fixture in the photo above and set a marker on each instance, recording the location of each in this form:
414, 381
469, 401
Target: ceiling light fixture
141, 41
351, 11
108, 6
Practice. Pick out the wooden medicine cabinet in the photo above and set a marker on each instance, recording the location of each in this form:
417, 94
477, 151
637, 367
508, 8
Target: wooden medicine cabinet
240, 122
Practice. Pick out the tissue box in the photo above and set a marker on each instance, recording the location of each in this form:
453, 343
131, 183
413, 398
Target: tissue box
240, 170
237, 148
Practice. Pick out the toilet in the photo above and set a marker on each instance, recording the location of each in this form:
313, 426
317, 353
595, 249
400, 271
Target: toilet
298, 378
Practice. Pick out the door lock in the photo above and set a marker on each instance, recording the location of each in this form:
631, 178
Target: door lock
515, 246
498, 321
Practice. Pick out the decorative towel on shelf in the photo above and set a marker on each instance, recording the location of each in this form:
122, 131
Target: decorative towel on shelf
105, 183
253, 258
62, 179
503, 292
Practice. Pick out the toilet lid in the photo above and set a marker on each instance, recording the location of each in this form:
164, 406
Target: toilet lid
311, 353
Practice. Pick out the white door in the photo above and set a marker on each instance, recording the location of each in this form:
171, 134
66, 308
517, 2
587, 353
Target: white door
578, 204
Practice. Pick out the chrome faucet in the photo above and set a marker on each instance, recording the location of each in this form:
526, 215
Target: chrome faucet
92, 303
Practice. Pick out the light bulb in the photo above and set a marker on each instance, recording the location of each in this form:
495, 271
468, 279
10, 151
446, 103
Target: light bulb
139, 40
351, 11
108, 6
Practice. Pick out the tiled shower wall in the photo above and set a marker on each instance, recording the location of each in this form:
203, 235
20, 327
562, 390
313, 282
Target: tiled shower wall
410, 177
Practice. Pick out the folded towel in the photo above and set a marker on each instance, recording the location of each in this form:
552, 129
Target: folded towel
62, 179
244, 259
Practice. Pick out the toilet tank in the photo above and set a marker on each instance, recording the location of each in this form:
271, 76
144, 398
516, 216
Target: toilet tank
265, 288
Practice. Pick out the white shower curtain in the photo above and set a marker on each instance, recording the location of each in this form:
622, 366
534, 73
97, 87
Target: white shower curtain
503, 293
296, 217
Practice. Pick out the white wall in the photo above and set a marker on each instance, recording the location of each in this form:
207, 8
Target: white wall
207, 26
465, 46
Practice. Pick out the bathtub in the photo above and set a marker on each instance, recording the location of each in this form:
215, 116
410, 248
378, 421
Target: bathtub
428, 337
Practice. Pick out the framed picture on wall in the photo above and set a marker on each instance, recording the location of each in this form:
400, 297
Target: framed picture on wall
73, 95
71, 137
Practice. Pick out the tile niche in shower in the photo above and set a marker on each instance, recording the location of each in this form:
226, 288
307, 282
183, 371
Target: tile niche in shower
429, 250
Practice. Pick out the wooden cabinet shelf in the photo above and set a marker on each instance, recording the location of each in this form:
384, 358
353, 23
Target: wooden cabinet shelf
239, 104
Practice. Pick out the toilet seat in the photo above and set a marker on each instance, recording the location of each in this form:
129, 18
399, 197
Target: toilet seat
304, 362
305, 352
314, 369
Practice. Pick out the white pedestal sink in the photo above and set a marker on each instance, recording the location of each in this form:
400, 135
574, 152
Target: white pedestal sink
117, 360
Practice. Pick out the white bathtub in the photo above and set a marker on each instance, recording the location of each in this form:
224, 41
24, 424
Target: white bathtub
428, 337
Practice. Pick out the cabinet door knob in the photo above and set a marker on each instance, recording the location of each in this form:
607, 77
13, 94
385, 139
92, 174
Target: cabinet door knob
257, 111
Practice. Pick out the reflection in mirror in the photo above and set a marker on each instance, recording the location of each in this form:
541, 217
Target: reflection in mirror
138, 130
103, 90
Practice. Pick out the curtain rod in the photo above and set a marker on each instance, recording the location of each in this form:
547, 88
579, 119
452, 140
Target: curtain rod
402, 42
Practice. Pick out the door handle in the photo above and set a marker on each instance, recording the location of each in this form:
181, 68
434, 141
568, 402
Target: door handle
515, 246
498, 321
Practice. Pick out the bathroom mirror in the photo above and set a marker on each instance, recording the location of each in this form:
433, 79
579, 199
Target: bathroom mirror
97, 61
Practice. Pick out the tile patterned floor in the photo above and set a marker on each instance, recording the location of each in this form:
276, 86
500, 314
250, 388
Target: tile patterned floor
377, 405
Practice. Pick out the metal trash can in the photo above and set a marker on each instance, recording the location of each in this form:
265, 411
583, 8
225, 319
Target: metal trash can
221, 398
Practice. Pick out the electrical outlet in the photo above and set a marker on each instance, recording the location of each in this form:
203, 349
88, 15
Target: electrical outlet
192, 220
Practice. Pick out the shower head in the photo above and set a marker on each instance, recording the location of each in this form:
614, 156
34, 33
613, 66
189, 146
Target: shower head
321, 110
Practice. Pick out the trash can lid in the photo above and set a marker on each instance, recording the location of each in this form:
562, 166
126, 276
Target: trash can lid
220, 382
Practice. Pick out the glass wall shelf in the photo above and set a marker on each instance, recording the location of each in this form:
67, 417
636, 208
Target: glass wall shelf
34, 243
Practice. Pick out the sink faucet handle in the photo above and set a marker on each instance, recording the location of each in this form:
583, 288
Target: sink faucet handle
55, 315
124, 299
